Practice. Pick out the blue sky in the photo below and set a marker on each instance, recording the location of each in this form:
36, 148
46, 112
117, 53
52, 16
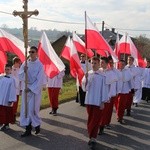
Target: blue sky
123, 14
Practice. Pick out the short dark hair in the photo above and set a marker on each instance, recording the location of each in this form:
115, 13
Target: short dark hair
110, 58
95, 59
16, 60
105, 59
34, 47
131, 58
8, 65
148, 61
122, 60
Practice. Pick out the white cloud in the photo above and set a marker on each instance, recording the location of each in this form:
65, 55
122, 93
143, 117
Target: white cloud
133, 14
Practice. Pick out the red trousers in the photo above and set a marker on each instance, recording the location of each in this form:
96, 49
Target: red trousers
53, 97
129, 100
104, 116
120, 105
94, 116
15, 105
107, 112
6, 115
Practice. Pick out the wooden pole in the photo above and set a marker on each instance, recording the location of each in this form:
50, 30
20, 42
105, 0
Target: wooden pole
125, 46
86, 43
25, 15
103, 24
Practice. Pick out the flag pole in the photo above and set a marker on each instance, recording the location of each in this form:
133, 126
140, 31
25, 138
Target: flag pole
125, 45
25, 15
86, 42
116, 49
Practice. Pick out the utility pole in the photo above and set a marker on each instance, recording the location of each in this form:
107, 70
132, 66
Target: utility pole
25, 15
103, 23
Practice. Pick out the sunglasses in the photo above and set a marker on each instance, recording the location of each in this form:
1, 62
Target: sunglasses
31, 52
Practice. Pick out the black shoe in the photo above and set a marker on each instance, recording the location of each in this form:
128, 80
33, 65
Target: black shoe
55, 113
37, 129
51, 112
92, 144
5, 127
26, 133
101, 131
136, 105
128, 112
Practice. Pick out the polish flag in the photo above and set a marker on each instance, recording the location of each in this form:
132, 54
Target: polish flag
3, 61
10, 43
66, 49
94, 40
80, 46
102, 53
75, 66
50, 60
126, 46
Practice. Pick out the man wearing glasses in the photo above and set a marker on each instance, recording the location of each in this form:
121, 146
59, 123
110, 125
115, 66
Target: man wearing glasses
81, 94
35, 74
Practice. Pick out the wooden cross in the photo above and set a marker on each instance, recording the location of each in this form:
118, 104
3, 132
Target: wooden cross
25, 15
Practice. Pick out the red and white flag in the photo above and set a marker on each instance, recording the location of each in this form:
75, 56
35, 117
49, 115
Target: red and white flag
80, 46
94, 40
3, 61
50, 60
75, 66
10, 43
66, 49
102, 53
126, 46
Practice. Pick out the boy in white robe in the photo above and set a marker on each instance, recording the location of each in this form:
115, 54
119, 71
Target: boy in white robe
54, 85
135, 72
146, 84
80, 93
93, 84
35, 74
15, 72
110, 87
7, 98
125, 84
138, 86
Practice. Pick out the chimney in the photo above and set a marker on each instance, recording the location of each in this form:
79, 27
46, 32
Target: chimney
113, 30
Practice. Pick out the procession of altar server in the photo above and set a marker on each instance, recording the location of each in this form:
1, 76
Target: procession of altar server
105, 87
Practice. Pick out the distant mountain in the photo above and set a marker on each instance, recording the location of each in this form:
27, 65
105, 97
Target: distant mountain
35, 35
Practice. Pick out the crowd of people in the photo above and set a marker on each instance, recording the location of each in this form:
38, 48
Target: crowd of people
103, 87
107, 87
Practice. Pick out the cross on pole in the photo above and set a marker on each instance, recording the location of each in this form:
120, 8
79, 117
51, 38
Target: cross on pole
25, 15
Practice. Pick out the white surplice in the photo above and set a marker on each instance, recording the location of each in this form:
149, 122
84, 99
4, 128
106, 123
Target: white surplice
95, 89
35, 84
57, 81
7, 90
138, 87
15, 74
125, 81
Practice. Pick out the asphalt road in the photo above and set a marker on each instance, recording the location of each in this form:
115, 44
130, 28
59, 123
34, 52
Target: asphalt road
67, 131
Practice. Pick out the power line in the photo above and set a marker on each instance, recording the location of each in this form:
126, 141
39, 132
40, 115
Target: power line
127, 28
80, 23
49, 20
65, 22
